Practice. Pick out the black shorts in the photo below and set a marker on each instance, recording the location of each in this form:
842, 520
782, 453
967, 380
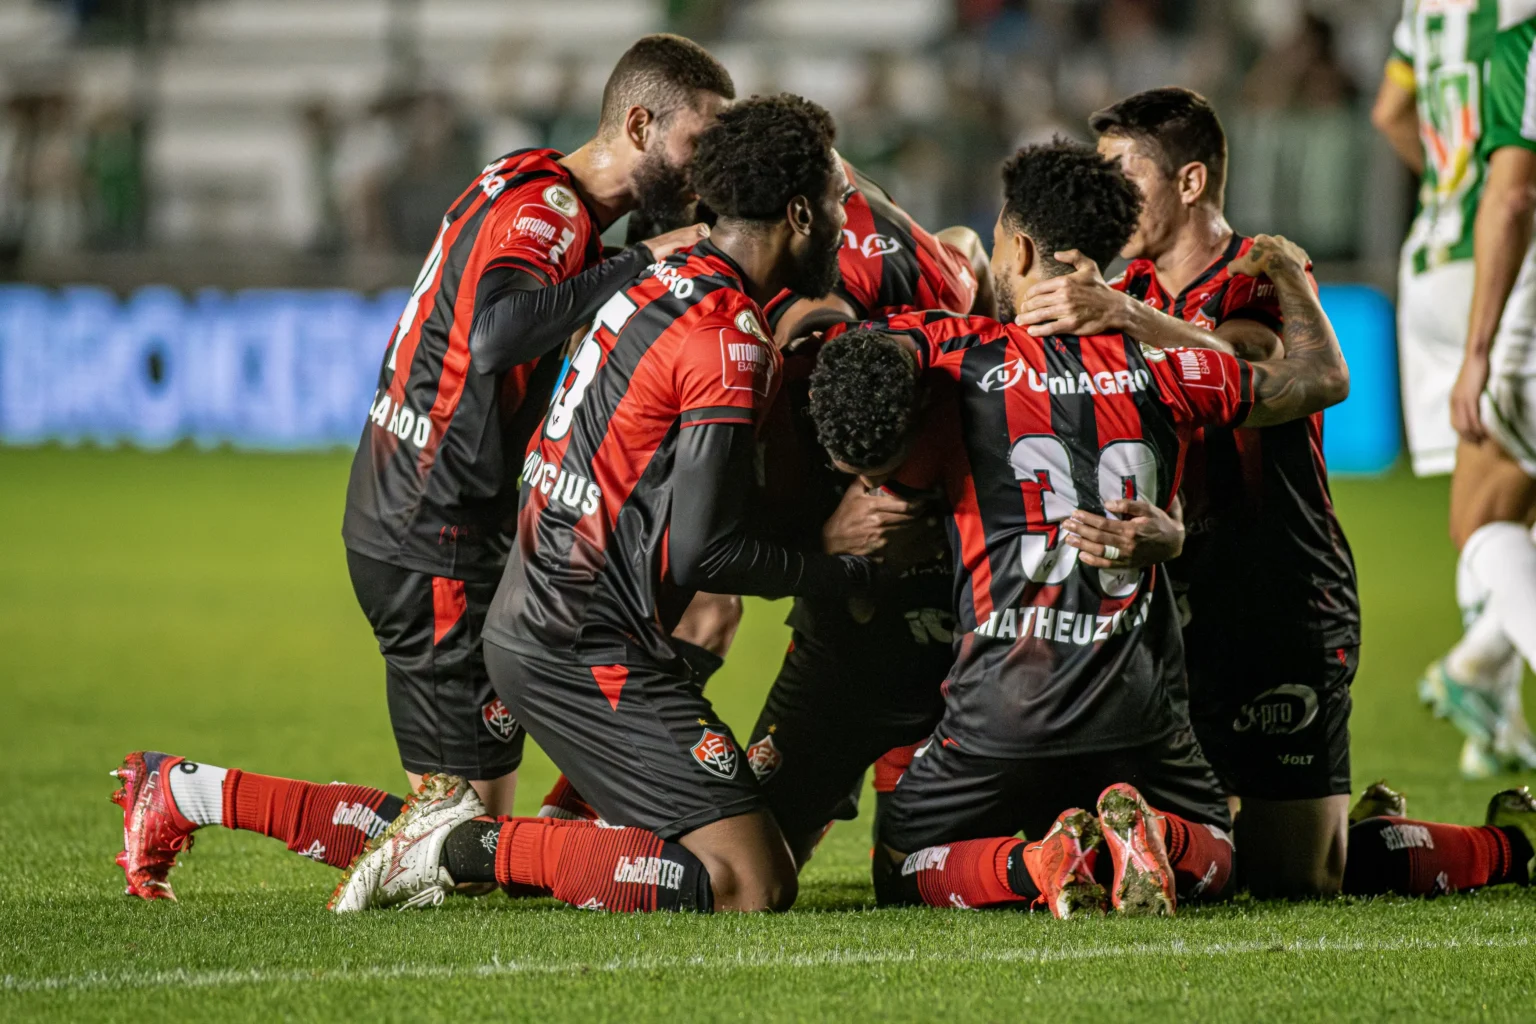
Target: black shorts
948, 795
639, 740
1275, 725
445, 714
836, 706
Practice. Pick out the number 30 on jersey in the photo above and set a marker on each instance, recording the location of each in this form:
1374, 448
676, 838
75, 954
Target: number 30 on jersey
1043, 467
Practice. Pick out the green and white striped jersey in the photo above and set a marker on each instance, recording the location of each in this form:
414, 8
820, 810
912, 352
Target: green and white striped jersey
1469, 102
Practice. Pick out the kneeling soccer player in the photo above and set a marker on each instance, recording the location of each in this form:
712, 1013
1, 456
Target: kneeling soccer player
637, 495
1062, 696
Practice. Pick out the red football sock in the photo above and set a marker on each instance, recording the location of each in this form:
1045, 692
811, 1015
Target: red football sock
1201, 858
328, 823
562, 801
596, 867
1424, 858
969, 874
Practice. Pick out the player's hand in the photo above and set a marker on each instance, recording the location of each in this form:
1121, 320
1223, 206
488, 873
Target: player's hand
1076, 303
665, 245
1270, 255
1467, 398
916, 542
1143, 535
864, 521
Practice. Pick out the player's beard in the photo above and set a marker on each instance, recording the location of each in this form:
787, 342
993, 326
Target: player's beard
816, 275
1006, 308
663, 199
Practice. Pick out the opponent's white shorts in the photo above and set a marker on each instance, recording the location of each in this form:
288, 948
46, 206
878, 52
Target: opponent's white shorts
1432, 312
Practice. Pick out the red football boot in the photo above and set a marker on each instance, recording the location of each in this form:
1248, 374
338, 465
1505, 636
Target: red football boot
154, 832
1061, 865
1143, 885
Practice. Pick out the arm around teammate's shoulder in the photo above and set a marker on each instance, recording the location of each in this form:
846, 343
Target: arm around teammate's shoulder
1312, 375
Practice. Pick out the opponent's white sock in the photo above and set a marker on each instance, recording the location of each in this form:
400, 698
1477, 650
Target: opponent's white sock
1501, 560
1483, 651
198, 790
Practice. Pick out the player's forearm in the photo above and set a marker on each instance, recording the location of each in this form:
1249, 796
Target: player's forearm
1158, 329
712, 546
517, 319
1313, 374
1501, 237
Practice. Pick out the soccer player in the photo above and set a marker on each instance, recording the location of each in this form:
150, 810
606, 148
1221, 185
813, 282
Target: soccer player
639, 486
433, 490
1454, 102
1266, 567
1063, 695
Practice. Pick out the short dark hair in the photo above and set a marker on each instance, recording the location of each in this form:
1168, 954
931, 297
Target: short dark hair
863, 397
761, 153
661, 73
1064, 195
1178, 125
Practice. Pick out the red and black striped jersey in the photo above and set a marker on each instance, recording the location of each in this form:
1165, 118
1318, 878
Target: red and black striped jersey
681, 347
888, 263
1053, 656
433, 486
1265, 555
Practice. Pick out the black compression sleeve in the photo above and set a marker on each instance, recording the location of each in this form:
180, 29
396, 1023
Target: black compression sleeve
710, 545
518, 319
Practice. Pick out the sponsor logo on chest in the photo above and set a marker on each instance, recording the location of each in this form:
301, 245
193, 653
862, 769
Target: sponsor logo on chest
1105, 382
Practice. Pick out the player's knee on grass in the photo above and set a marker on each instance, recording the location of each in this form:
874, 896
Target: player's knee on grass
748, 863
1293, 849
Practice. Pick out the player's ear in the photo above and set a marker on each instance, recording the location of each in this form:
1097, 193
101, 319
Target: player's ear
800, 215
638, 123
1192, 180
1026, 253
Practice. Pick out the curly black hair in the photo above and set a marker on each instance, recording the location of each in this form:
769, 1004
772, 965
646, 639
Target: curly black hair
1064, 195
762, 153
1179, 126
863, 397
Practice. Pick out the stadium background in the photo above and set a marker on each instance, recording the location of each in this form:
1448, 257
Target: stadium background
209, 210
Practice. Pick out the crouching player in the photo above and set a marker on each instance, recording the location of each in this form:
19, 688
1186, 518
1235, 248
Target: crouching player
639, 486
1062, 717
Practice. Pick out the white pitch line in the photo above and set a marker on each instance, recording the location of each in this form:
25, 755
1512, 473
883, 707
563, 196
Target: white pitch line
830, 958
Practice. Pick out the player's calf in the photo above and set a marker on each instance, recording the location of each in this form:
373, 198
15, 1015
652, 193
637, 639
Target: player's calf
165, 799
1426, 858
1294, 849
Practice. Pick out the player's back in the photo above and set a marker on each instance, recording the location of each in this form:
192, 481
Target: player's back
433, 483
681, 346
1449, 44
1057, 656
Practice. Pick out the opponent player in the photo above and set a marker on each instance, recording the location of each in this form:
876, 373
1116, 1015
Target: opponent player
1267, 566
433, 488
1064, 687
1454, 100
639, 487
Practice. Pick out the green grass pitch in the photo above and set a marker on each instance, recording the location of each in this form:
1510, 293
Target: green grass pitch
198, 603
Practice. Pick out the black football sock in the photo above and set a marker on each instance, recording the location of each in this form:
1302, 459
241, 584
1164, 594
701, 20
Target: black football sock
469, 853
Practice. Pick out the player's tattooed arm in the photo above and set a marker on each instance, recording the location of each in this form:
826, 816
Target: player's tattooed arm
1082, 302
1312, 375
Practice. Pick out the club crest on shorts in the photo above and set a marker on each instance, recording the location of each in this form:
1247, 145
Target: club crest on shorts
499, 720
716, 751
764, 758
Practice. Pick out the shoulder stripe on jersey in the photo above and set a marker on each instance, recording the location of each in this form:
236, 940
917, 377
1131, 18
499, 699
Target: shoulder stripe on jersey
518, 263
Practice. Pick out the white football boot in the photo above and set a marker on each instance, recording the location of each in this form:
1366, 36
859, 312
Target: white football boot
403, 865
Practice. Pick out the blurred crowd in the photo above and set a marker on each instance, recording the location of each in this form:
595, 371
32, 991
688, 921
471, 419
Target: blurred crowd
1291, 77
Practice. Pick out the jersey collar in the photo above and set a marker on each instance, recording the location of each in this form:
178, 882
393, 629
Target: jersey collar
708, 250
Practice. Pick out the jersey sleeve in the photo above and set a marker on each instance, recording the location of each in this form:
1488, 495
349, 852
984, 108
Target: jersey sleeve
1402, 35
1201, 386
725, 374
539, 228
1511, 106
